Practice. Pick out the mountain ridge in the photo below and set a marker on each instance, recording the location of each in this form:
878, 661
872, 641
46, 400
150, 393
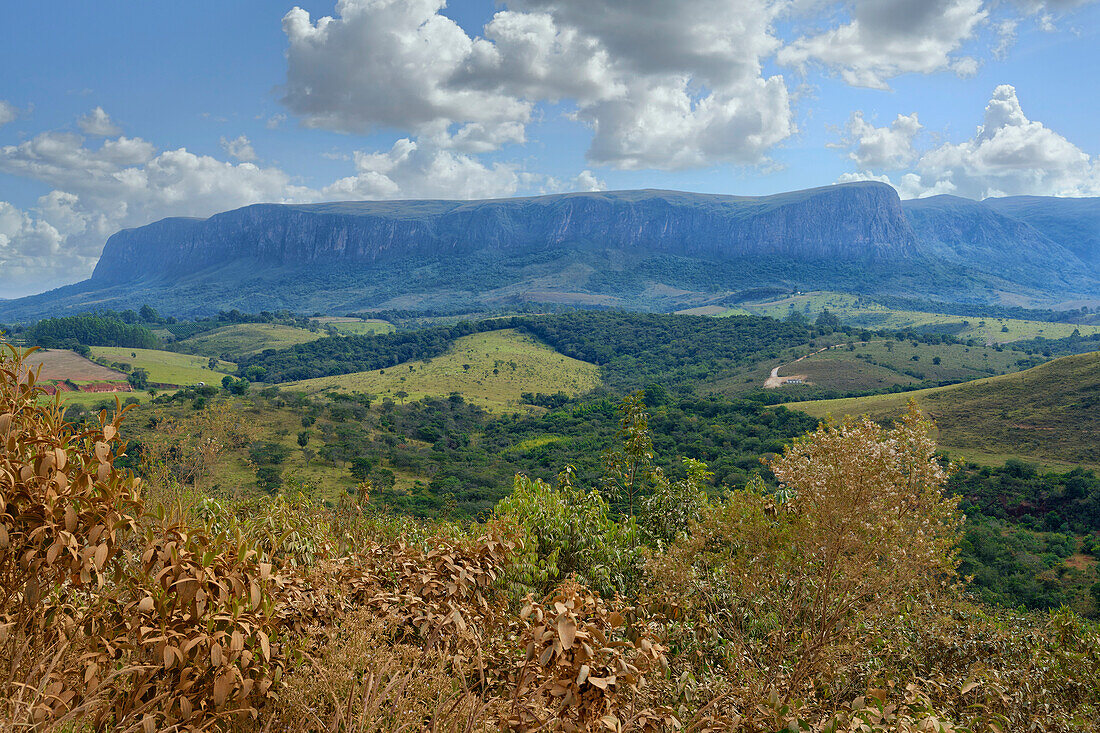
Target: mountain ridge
645, 249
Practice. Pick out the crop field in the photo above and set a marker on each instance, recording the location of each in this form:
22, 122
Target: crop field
167, 367
1049, 413
356, 326
490, 369
856, 311
59, 365
245, 339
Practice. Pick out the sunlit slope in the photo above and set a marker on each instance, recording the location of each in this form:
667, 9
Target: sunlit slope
167, 367
491, 369
245, 339
1051, 412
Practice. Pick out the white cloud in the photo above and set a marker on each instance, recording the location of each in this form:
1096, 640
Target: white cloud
662, 85
98, 124
275, 120
887, 38
586, 180
8, 112
1008, 155
239, 148
412, 169
881, 147
386, 64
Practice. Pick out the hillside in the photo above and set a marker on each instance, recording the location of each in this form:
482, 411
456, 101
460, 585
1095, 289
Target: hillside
246, 339
166, 367
491, 369
655, 250
1050, 412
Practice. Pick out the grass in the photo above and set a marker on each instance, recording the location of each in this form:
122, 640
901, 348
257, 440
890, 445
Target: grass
1049, 413
356, 326
885, 363
856, 311
167, 367
246, 339
490, 369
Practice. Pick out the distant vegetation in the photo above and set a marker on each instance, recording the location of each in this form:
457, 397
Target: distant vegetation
90, 330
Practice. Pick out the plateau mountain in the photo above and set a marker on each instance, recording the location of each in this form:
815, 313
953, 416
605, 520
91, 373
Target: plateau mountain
649, 249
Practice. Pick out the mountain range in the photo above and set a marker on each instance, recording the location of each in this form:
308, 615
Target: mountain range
649, 249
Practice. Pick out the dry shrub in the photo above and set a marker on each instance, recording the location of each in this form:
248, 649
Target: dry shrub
64, 511
771, 597
581, 670
364, 681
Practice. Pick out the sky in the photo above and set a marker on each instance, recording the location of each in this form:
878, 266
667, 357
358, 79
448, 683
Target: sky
114, 114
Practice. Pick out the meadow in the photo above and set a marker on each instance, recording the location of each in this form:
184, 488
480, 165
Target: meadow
167, 367
491, 369
245, 339
1048, 413
348, 326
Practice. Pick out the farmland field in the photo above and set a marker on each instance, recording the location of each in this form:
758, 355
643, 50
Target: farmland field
490, 369
59, 365
245, 339
166, 367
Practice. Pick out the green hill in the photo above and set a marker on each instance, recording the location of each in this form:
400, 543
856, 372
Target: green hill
1049, 413
166, 367
491, 369
245, 339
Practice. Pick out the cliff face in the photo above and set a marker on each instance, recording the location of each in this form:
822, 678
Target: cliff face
854, 222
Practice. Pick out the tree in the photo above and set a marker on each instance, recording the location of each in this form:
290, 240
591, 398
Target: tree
138, 379
303, 438
148, 314
401, 395
630, 470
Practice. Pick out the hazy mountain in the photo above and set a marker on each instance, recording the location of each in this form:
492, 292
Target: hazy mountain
638, 249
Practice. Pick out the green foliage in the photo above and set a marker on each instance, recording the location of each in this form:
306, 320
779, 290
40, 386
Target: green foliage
568, 531
90, 330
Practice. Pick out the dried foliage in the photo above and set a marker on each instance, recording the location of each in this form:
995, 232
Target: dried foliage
581, 670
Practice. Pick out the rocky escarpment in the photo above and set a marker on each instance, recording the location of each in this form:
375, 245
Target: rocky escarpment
854, 222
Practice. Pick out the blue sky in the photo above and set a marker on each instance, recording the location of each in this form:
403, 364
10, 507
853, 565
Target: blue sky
113, 114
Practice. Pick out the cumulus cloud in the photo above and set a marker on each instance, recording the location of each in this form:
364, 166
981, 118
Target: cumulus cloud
887, 38
1009, 154
386, 64
8, 112
662, 85
881, 147
240, 148
98, 124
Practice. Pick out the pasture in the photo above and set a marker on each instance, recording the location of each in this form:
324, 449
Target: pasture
245, 339
489, 369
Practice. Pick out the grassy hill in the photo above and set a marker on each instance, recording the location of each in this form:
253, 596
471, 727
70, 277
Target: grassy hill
856, 311
491, 369
355, 326
166, 367
1050, 413
884, 363
245, 339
